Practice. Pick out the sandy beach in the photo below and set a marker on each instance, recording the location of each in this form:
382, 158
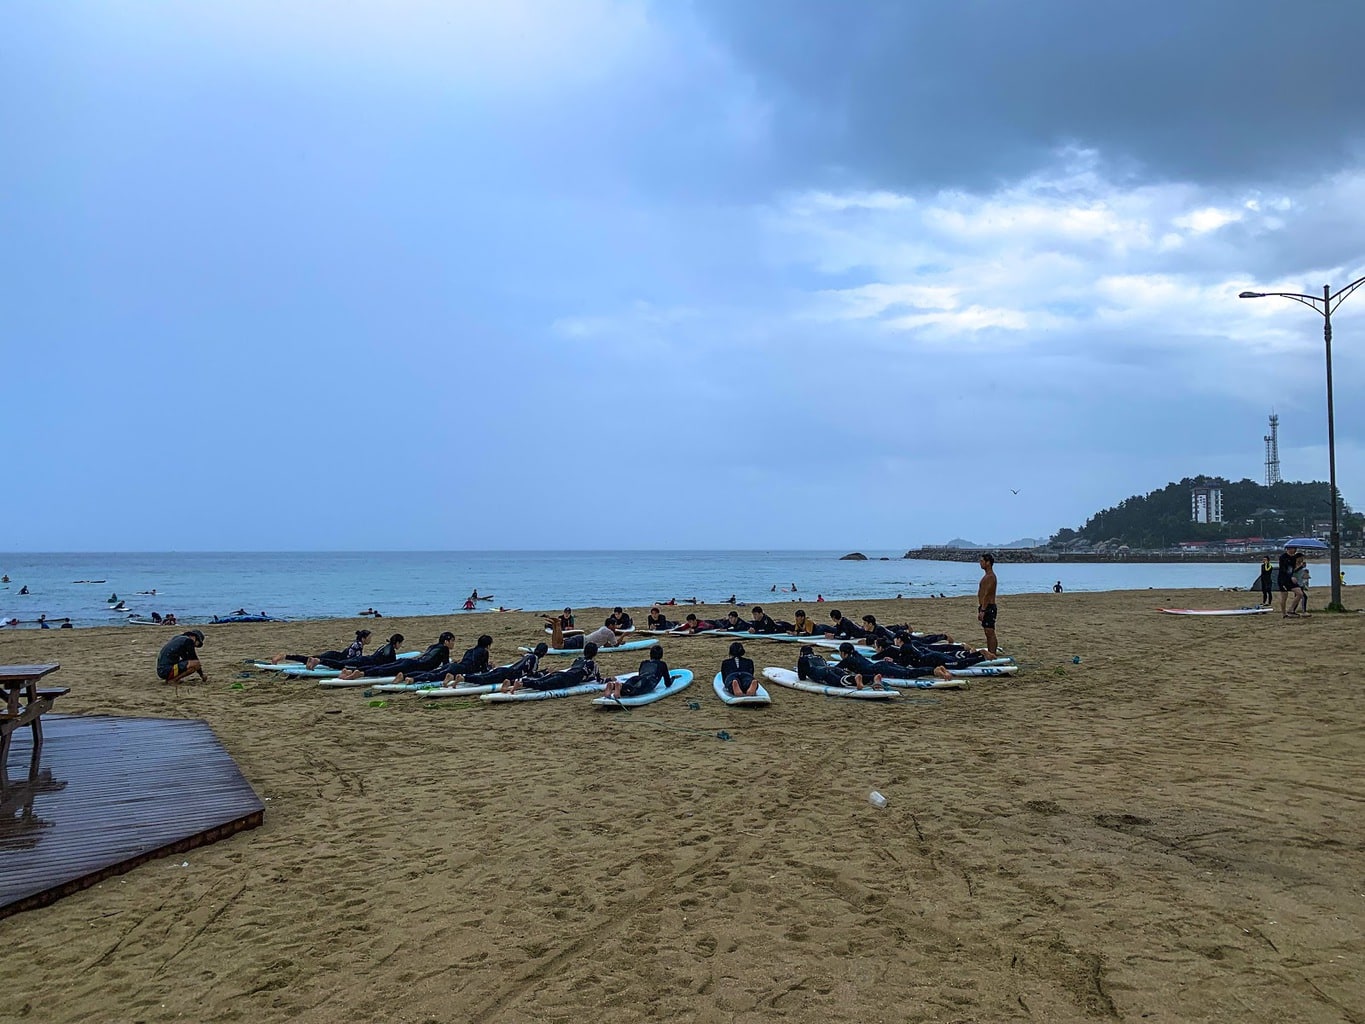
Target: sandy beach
1171, 830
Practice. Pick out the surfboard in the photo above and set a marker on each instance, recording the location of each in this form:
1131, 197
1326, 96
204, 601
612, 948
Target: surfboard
927, 683
521, 695
296, 668
633, 645
981, 671
678, 679
1258, 610
571, 631
786, 677
761, 697
455, 691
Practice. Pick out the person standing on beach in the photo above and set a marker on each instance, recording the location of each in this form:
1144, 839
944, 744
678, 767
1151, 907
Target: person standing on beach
985, 601
1285, 577
1267, 567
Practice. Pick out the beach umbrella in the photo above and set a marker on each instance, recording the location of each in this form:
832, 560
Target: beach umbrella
1308, 542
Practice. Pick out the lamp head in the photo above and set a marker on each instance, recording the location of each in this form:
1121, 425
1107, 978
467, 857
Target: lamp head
1252, 295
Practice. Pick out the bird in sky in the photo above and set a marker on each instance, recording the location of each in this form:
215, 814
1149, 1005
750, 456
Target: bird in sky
1013, 491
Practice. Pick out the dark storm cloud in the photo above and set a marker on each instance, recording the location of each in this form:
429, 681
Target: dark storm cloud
967, 92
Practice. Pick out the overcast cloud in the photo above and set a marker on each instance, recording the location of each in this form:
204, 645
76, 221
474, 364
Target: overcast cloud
596, 274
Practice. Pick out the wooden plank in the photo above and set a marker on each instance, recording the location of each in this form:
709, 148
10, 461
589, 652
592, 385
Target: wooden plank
111, 793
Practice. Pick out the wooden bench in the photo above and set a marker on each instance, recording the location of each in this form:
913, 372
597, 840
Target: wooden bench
25, 704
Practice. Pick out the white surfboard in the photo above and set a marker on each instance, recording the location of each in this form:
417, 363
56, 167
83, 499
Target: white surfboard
678, 679
522, 695
981, 671
760, 697
633, 645
926, 683
438, 692
786, 677
1255, 610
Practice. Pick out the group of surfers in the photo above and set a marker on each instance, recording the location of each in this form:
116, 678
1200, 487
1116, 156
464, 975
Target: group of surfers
898, 653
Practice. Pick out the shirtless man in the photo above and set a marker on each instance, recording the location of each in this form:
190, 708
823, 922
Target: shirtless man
985, 601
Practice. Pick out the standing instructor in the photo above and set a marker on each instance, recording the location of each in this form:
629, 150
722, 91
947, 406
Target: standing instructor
985, 601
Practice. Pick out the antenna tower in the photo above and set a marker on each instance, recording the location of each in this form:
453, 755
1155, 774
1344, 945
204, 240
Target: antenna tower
1272, 452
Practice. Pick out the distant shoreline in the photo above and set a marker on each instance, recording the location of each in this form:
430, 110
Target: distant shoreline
1073, 557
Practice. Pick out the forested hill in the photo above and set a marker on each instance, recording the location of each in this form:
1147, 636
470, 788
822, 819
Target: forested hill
1162, 518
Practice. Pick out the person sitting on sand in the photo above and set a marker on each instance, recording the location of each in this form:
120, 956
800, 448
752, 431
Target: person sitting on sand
525, 667
435, 656
653, 671
474, 660
168, 619
737, 673
657, 620
583, 670
180, 657
603, 636
355, 650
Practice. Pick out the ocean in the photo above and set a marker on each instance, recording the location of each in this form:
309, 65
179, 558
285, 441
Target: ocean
196, 586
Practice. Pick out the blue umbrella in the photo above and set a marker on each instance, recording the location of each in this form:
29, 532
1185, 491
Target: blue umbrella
1308, 542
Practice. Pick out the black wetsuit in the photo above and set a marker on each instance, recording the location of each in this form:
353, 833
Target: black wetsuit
434, 657
660, 623
847, 629
474, 660
765, 624
526, 665
857, 664
583, 670
356, 650
737, 670
647, 680
179, 649
816, 669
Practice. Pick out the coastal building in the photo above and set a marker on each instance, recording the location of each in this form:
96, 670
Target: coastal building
1206, 504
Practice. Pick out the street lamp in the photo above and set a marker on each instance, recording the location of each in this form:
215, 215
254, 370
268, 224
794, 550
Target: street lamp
1324, 307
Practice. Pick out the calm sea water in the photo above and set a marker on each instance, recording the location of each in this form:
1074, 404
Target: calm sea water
327, 584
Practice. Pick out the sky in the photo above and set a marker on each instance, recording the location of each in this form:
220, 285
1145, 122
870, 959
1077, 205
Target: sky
408, 274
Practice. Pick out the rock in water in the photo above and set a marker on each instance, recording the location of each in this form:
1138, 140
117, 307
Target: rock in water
854, 556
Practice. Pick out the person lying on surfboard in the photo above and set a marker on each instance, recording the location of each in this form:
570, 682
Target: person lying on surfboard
435, 656
657, 620
884, 663
475, 659
910, 654
737, 673
525, 667
355, 650
845, 628
692, 624
652, 672
619, 619
761, 622
733, 623
603, 636
811, 666
583, 670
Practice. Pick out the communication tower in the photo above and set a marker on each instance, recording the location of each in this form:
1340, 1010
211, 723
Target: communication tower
1272, 452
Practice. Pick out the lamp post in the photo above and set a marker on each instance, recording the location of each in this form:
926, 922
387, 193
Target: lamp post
1324, 307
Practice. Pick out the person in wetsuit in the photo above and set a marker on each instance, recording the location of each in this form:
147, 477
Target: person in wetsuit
355, 650
657, 620
434, 657
814, 668
180, 657
525, 667
737, 673
653, 672
692, 624
620, 620
761, 622
583, 670
845, 628
474, 660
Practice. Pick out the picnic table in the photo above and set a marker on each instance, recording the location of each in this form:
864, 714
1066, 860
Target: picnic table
25, 704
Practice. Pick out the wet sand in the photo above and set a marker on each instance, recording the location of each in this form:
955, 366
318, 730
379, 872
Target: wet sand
1171, 830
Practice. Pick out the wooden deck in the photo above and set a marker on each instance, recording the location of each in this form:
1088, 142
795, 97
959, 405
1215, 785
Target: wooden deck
111, 793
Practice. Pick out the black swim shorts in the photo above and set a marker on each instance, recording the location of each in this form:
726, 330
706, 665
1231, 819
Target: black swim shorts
988, 617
